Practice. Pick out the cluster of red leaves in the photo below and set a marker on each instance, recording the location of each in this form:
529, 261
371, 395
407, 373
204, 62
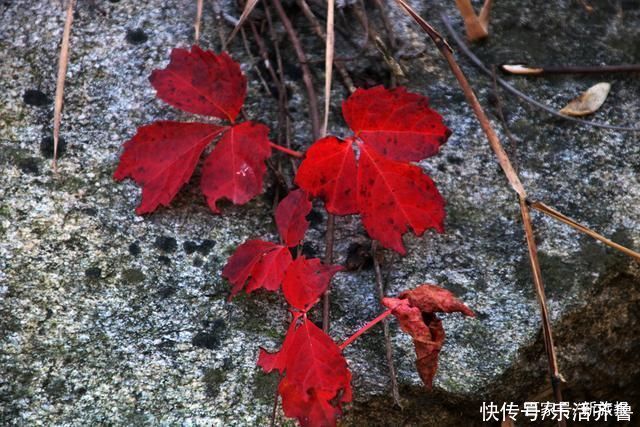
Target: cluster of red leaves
315, 379
415, 311
162, 156
391, 128
368, 173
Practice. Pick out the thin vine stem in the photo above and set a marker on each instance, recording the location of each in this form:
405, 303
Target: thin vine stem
365, 328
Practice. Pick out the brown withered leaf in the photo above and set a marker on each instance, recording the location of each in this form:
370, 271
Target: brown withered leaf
589, 101
415, 310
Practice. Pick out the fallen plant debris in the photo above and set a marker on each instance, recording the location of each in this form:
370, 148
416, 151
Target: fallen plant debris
588, 102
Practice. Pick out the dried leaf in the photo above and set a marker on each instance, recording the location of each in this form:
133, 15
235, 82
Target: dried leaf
588, 102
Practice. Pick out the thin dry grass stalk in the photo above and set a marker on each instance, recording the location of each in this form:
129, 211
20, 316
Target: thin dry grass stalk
62, 72
248, 8
196, 25
328, 64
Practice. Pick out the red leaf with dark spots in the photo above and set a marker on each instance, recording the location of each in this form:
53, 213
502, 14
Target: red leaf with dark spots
391, 128
161, 158
202, 82
306, 280
398, 124
415, 310
235, 168
329, 171
258, 264
291, 217
316, 378
393, 196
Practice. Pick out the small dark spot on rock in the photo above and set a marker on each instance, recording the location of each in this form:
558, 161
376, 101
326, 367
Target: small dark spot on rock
189, 247
206, 246
315, 218
133, 275
211, 338
197, 262
46, 147
166, 291
213, 378
166, 244
89, 211
35, 97
358, 257
137, 36
454, 160
56, 388
309, 250
164, 260
93, 273
134, 249
30, 165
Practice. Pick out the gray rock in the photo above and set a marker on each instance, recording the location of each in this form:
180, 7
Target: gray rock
110, 318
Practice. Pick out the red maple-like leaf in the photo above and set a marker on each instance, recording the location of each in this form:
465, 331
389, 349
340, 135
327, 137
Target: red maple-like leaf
393, 196
235, 168
291, 217
161, 158
415, 310
258, 264
316, 378
202, 82
306, 280
398, 124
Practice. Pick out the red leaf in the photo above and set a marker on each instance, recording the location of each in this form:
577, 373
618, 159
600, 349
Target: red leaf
306, 280
415, 313
392, 127
161, 158
398, 124
261, 263
329, 171
235, 168
202, 82
393, 196
316, 377
291, 216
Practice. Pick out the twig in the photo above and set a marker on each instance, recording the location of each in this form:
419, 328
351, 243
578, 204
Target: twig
306, 72
556, 379
196, 25
476, 27
474, 59
500, 111
248, 8
503, 159
386, 22
385, 326
317, 28
62, 72
539, 70
328, 64
541, 207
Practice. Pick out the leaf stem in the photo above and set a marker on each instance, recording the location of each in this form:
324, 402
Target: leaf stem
286, 150
385, 326
365, 328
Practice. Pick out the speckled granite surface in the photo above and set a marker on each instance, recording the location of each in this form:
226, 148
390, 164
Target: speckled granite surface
107, 318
